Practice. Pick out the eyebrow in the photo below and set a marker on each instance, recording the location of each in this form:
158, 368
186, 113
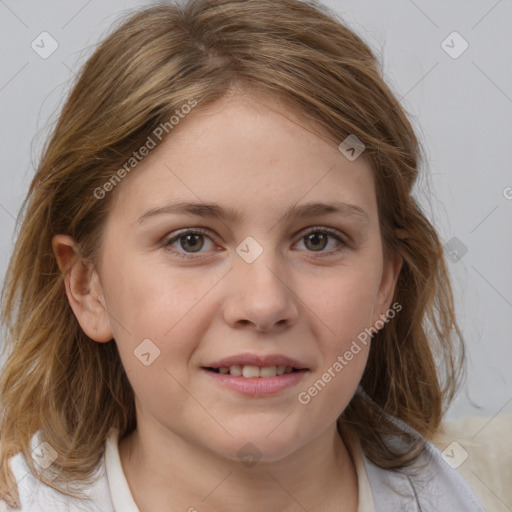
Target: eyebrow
213, 210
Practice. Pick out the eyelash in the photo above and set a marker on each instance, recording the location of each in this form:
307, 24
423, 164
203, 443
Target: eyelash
199, 231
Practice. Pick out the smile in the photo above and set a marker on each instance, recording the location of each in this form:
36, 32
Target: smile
251, 371
256, 381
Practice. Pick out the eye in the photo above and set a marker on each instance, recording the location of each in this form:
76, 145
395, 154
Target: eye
192, 239
316, 239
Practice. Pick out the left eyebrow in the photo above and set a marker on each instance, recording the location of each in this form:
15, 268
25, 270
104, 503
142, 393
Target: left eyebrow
214, 210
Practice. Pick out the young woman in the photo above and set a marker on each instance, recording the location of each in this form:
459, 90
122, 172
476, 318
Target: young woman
224, 295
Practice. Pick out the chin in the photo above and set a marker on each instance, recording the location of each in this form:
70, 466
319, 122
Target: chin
252, 445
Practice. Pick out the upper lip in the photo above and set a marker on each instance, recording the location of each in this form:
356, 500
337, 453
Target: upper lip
257, 360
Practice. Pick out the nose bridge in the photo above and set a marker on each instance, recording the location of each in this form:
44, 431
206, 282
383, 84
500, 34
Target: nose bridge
260, 293
260, 263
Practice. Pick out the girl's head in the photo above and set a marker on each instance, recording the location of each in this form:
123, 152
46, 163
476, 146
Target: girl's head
260, 113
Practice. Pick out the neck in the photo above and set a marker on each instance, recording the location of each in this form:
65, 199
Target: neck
318, 477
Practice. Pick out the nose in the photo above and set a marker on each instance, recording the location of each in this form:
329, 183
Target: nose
261, 295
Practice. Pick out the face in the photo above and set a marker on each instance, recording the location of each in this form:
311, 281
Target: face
196, 298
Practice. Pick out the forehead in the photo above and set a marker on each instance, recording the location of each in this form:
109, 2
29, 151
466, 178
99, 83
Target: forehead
250, 154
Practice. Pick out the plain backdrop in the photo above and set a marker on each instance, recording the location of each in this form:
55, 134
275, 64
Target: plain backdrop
450, 64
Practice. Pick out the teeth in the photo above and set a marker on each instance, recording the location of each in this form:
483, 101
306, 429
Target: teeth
250, 371
268, 371
235, 370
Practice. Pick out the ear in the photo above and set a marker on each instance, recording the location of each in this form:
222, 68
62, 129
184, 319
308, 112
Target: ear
390, 272
83, 289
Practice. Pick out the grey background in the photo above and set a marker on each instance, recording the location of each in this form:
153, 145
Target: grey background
461, 108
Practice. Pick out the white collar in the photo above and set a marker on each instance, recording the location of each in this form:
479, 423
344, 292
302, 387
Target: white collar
120, 493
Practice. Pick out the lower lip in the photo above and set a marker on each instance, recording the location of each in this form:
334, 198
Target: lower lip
258, 386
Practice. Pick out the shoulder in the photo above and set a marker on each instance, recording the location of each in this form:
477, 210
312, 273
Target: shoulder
430, 484
36, 496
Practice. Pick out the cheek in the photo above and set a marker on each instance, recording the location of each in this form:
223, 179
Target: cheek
345, 309
160, 304
152, 295
325, 397
346, 302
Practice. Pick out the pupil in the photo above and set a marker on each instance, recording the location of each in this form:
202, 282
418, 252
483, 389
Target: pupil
315, 237
194, 238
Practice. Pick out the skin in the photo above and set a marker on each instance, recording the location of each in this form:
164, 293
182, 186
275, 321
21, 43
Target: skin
292, 300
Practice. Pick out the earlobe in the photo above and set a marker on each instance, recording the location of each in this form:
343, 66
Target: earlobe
83, 289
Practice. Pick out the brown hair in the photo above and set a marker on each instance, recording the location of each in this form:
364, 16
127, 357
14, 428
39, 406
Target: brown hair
72, 389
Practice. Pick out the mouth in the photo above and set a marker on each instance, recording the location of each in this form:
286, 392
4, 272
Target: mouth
256, 375
251, 371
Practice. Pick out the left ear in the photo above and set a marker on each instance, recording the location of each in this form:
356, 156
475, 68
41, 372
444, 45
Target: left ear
390, 272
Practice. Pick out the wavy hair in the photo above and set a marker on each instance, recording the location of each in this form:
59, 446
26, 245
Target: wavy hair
58, 380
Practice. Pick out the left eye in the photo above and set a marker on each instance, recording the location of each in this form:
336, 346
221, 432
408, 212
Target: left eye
192, 241
317, 239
